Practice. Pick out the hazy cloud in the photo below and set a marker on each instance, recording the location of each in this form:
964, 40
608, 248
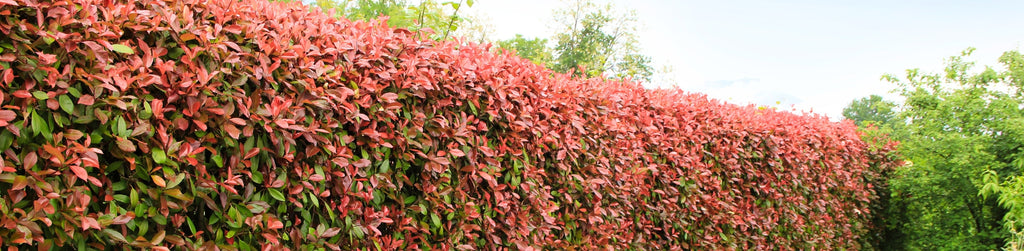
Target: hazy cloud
772, 98
730, 82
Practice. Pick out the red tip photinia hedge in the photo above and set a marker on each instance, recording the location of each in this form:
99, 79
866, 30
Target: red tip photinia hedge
250, 124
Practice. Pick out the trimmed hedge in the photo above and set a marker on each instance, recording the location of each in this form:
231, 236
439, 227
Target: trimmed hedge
253, 125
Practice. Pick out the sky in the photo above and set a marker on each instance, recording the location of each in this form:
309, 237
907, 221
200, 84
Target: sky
806, 55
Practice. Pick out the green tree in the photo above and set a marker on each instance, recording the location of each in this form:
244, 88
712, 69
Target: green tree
870, 110
536, 49
1010, 191
596, 40
963, 131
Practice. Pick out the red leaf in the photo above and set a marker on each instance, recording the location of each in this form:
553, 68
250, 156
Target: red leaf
86, 99
125, 145
272, 239
252, 152
89, 222
490, 179
330, 232
237, 121
47, 59
7, 115
389, 97
274, 223
232, 131
8, 76
316, 178
19, 183
29, 161
442, 161
457, 152
181, 123
361, 163
123, 219
22, 94
218, 111
234, 28
80, 172
159, 181
53, 104
90, 159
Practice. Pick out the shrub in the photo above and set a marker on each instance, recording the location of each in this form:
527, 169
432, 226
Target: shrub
250, 124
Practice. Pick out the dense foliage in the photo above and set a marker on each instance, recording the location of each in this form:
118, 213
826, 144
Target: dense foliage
961, 132
225, 123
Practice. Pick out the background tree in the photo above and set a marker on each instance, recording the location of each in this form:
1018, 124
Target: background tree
535, 49
870, 110
963, 131
592, 41
595, 40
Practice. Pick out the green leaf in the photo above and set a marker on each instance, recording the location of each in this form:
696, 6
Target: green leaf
147, 111
277, 195
74, 92
314, 199
177, 180
385, 166
40, 95
134, 197
66, 104
115, 235
121, 198
159, 156
175, 52
217, 159
118, 186
435, 220
39, 125
6, 139
191, 226
123, 49
257, 177
120, 127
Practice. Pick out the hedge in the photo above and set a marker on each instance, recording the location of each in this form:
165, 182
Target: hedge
249, 124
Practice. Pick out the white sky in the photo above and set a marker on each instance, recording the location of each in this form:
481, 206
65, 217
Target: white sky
816, 55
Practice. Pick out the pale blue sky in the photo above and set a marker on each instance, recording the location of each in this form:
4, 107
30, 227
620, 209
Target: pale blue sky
816, 55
